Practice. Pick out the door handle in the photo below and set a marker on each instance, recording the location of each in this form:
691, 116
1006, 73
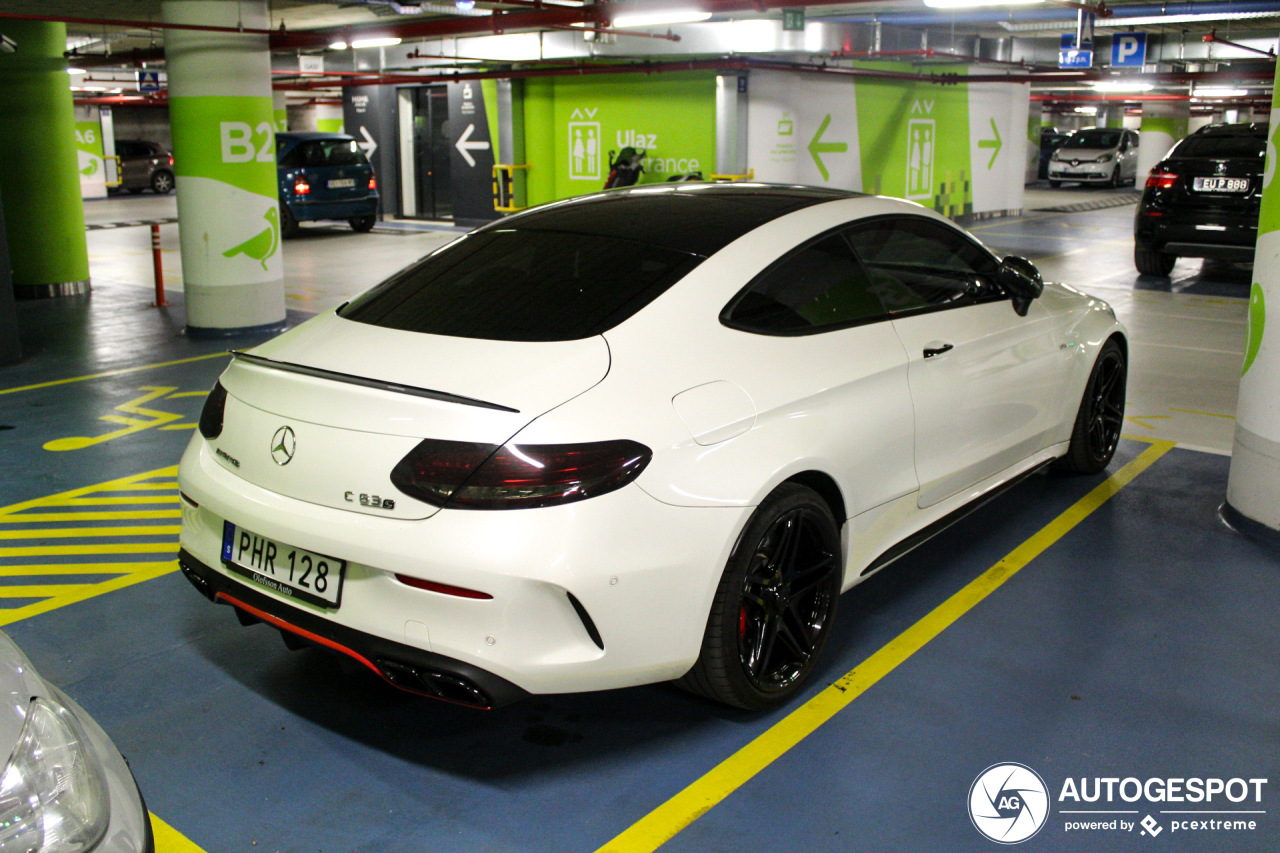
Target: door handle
930, 352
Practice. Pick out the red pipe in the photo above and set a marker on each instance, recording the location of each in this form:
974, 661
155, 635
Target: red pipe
158, 267
1212, 36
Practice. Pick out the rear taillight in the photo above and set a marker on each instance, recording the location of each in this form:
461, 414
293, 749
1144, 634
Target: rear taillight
170, 159
373, 182
467, 475
300, 186
1162, 180
211, 415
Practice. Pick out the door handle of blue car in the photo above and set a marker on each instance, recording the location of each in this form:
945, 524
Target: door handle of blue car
930, 352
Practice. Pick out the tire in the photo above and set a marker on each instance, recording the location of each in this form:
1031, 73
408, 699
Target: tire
1151, 261
1054, 184
1115, 178
1101, 416
162, 183
288, 225
362, 224
775, 604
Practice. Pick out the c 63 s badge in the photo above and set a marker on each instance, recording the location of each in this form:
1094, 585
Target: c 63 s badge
369, 500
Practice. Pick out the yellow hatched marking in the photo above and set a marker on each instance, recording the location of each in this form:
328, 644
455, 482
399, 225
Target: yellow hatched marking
134, 481
125, 572
118, 515
147, 418
664, 822
169, 840
190, 394
180, 426
41, 569
90, 532
81, 592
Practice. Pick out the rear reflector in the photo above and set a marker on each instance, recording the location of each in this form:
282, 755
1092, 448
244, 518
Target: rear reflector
444, 588
1162, 180
467, 475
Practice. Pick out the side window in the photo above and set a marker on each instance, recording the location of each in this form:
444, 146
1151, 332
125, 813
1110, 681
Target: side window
820, 286
916, 263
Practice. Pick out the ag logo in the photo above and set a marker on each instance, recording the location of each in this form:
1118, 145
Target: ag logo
283, 444
1008, 803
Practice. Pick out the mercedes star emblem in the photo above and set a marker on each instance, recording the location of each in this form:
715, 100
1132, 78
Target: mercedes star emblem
283, 443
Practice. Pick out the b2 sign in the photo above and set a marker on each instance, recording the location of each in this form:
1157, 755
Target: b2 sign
1128, 50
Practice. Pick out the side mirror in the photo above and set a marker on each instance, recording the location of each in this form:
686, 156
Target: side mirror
1021, 279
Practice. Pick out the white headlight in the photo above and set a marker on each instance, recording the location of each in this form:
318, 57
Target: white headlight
53, 796
1105, 158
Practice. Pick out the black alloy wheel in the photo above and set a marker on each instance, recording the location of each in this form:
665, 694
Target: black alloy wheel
775, 605
1098, 423
362, 224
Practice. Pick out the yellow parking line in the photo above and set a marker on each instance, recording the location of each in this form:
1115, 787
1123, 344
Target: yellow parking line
1206, 414
144, 487
104, 548
116, 515
38, 590
89, 532
132, 499
122, 371
664, 822
169, 840
134, 481
39, 569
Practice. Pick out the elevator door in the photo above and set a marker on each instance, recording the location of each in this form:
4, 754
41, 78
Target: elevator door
431, 153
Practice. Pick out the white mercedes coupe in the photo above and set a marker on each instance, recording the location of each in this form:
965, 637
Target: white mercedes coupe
642, 435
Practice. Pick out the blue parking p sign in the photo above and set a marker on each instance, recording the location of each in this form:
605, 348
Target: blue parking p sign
1128, 50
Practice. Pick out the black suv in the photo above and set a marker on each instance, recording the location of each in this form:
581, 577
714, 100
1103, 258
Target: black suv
1202, 199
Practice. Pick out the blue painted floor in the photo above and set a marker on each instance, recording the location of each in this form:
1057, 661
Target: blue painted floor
1143, 644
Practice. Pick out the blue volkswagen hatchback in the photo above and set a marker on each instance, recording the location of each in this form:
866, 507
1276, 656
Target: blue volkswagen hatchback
324, 176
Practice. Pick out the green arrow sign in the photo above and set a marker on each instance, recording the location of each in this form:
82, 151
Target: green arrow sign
992, 143
817, 146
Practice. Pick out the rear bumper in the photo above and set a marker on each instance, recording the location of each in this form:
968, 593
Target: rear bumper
309, 211
603, 593
406, 667
1223, 237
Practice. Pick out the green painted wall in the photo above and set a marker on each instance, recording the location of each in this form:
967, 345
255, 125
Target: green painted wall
894, 119
39, 178
572, 123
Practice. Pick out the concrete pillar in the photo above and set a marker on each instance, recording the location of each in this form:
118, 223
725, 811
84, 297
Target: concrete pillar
279, 112
10, 345
221, 112
39, 180
1112, 115
1253, 486
1163, 123
1035, 129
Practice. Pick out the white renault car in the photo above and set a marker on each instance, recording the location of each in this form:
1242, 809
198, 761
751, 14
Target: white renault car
642, 435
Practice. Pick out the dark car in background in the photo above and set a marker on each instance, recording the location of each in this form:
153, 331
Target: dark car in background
144, 165
1049, 142
324, 176
1202, 199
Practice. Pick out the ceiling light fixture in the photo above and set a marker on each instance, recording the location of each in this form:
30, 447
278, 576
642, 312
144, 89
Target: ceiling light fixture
75, 71
1218, 92
658, 19
338, 45
1087, 111
966, 4
1120, 86
378, 42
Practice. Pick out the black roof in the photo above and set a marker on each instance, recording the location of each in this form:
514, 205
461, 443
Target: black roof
1246, 129
696, 218
304, 135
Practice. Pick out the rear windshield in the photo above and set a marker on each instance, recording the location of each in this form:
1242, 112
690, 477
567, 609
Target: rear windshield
323, 152
1093, 139
1222, 146
523, 285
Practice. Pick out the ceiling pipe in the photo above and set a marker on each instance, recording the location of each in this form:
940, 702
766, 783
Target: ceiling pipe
1212, 37
668, 35
137, 25
931, 53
